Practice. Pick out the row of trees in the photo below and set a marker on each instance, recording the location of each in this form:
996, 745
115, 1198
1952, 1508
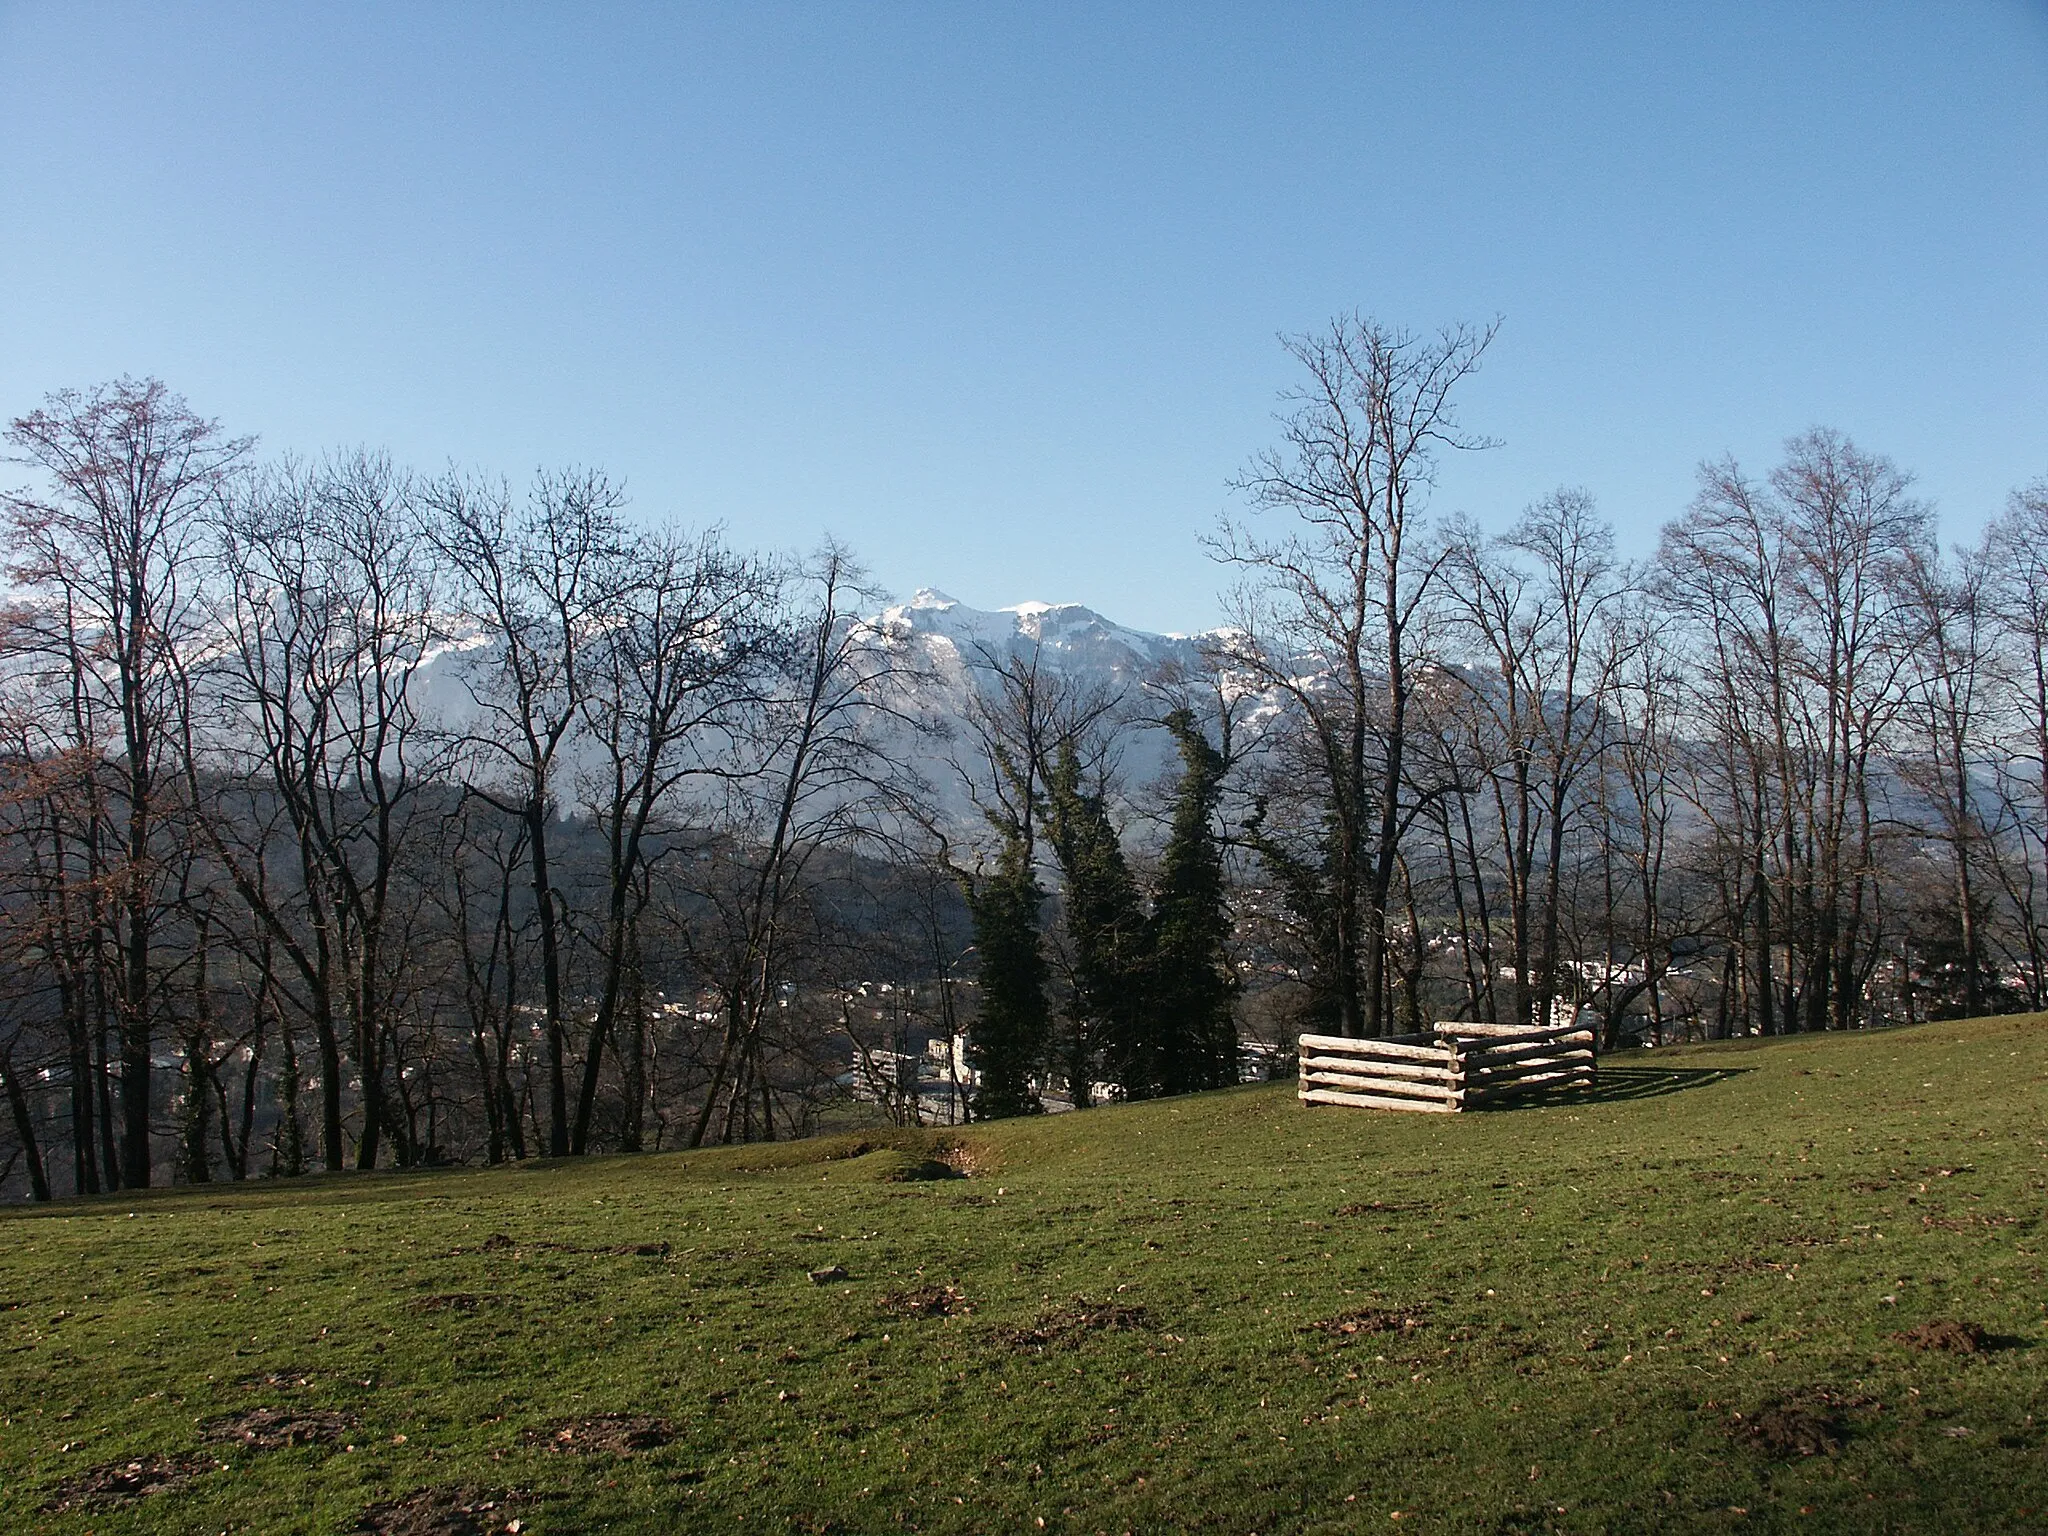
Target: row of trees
1790, 774
356, 817
352, 817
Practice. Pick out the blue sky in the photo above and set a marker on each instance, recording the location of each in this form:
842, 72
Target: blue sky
992, 291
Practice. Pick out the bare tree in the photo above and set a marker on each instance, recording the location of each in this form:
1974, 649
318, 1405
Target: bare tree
814, 781
1793, 591
108, 553
676, 661
537, 580
331, 615
2016, 564
1534, 603
1944, 740
1329, 609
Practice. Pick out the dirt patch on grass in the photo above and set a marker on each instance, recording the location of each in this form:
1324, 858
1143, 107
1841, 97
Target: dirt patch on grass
121, 1481
1366, 1321
921, 1171
605, 1434
925, 1301
1812, 1421
273, 1429
1967, 1223
965, 1160
1946, 1335
465, 1302
499, 1242
1382, 1208
449, 1511
1069, 1324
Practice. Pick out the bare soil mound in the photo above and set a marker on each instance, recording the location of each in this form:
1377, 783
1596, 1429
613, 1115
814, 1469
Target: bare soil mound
1361, 1321
273, 1429
120, 1481
605, 1434
1813, 1421
925, 1301
1946, 1335
447, 1511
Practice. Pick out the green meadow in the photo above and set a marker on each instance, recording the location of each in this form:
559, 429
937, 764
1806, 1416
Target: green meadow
1788, 1285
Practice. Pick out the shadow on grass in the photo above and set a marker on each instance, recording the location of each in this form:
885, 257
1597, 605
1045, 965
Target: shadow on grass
1614, 1085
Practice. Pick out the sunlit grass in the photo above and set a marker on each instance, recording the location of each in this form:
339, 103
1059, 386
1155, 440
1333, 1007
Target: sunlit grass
1545, 1318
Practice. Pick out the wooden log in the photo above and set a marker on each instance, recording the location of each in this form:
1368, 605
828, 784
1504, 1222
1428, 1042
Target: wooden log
1526, 1037
1370, 1101
1505, 1070
1363, 1082
1502, 1063
1342, 1045
1480, 1061
1500, 1088
1490, 1055
1446, 1074
1423, 1079
1502, 1031
1505, 1041
1524, 1069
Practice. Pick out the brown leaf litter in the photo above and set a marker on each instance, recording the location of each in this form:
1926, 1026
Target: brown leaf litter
501, 1242
605, 1434
1069, 1324
1360, 1321
926, 1301
273, 1429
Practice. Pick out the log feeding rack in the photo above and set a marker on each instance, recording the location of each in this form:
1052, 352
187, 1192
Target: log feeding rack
1447, 1069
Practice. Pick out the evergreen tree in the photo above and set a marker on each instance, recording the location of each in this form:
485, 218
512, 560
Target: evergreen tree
1192, 1028
1106, 930
1007, 1041
1310, 882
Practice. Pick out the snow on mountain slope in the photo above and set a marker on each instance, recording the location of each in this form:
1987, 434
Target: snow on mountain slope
952, 649
957, 648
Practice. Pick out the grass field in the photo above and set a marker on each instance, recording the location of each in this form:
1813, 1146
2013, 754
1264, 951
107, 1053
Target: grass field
1698, 1300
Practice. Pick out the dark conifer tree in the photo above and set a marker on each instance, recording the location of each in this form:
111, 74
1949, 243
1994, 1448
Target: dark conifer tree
1309, 887
1007, 1041
1106, 930
1193, 1030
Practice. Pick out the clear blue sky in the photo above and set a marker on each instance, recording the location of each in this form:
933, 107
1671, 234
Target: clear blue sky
991, 291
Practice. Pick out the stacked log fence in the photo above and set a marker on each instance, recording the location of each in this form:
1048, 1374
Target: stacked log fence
1453, 1067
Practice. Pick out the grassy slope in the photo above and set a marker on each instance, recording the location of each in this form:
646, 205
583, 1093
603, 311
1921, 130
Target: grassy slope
1599, 1285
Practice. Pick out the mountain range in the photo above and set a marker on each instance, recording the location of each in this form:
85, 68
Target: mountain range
949, 652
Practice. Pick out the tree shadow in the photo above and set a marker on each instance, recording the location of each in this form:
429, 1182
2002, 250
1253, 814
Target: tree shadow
1615, 1085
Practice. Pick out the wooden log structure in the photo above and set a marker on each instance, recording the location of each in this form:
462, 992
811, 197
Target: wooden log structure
1453, 1067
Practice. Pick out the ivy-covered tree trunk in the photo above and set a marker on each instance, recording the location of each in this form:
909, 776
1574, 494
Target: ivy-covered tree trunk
1007, 1041
1105, 923
1192, 985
